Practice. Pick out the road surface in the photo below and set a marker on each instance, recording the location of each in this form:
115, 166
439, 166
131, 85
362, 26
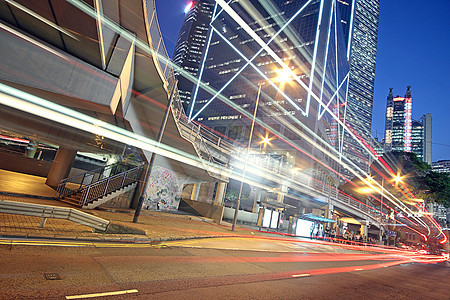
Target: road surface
222, 268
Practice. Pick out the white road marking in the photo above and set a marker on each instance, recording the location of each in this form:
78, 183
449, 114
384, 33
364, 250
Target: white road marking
101, 294
301, 275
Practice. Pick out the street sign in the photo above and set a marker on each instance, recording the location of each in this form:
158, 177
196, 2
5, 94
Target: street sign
392, 233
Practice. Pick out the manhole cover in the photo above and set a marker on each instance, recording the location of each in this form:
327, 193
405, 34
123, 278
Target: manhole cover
52, 276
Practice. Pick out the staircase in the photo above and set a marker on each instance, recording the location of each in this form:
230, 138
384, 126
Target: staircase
93, 188
203, 140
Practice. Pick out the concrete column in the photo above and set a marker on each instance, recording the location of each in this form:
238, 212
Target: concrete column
256, 199
61, 166
31, 149
280, 195
220, 193
364, 230
196, 191
329, 211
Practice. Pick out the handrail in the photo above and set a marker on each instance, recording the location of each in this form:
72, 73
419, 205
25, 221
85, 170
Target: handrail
74, 184
96, 190
49, 211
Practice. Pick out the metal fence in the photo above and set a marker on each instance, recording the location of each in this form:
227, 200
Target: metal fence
48, 211
103, 187
74, 184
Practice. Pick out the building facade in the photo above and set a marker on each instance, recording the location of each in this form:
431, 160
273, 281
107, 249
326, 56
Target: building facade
246, 52
359, 19
421, 138
441, 166
402, 133
398, 125
190, 44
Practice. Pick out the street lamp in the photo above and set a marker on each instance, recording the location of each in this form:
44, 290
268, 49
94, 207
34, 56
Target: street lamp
265, 140
398, 179
282, 77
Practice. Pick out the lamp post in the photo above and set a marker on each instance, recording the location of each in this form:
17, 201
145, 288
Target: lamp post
381, 208
238, 202
282, 76
148, 171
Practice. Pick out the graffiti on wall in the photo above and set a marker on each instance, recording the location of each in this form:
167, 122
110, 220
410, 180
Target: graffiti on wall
164, 190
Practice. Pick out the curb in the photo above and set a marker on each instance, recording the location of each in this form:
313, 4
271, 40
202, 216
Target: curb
26, 196
116, 240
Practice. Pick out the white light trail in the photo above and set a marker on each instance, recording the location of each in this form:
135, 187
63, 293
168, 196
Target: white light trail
218, 93
147, 49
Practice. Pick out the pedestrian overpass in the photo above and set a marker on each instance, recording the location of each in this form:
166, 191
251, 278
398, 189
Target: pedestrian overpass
94, 76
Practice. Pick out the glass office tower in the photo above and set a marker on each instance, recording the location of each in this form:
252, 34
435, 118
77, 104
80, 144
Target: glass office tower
250, 43
398, 126
359, 19
190, 44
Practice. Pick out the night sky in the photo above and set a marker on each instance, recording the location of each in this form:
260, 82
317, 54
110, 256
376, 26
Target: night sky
413, 49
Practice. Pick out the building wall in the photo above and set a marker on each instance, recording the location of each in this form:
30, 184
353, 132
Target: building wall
190, 44
361, 30
283, 113
441, 166
428, 145
164, 190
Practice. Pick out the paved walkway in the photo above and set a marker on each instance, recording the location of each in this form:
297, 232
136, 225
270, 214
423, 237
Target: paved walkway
18, 183
158, 226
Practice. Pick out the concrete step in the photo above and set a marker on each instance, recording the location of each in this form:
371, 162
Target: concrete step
74, 202
110, 196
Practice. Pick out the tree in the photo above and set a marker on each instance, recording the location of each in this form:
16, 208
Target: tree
429, 184
438, 184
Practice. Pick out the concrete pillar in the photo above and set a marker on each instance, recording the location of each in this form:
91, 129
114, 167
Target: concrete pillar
256, 199
61, 166
220, 193
329, 211
196, 191
364, 230
31, 149
280, 195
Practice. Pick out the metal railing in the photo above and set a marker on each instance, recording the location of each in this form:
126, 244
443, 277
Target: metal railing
194, 133
48, 211
96, 190
338, 195
74, 184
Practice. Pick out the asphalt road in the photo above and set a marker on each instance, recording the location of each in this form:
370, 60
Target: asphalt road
226, 268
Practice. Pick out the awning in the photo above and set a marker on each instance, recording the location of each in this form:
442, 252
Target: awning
350, 220
275, 204
313, 217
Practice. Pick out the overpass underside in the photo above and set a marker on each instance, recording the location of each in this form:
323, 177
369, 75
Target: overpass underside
90, 63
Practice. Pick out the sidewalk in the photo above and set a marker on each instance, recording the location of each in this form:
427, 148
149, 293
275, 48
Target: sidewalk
158, 226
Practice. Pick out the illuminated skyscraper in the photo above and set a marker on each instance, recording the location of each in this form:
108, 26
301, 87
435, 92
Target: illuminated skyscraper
421, 138
190, 44
398, 126
249, 43
360, 23
402, 133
